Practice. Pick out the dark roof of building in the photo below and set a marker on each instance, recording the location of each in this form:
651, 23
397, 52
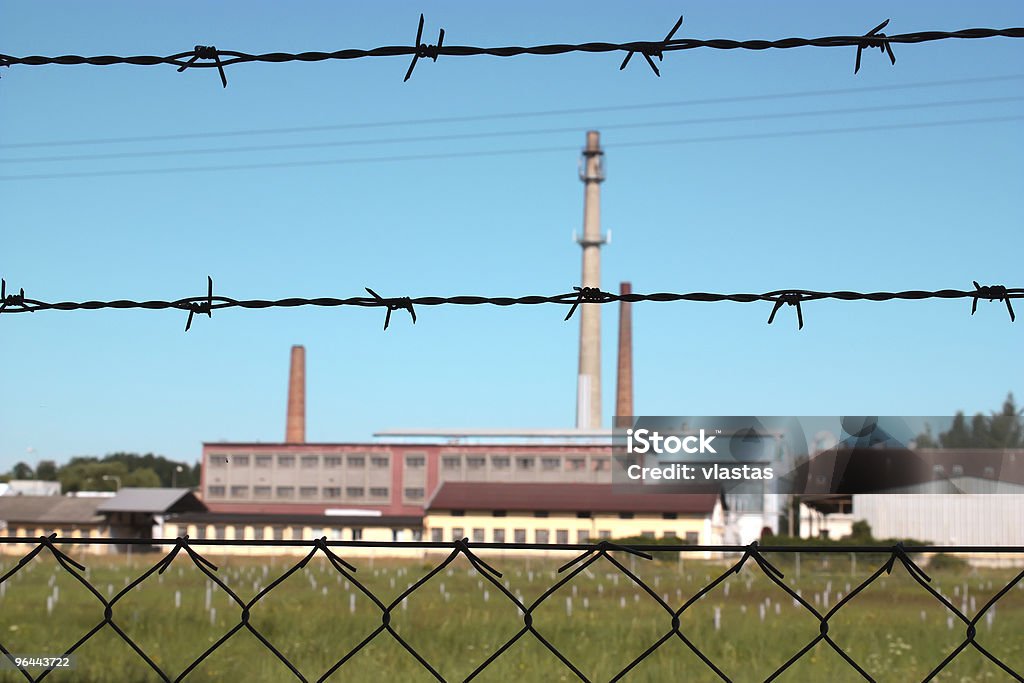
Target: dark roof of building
311, 520
152, 500
567, 498
49, 509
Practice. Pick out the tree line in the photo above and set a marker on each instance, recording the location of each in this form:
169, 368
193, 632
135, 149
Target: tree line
91, 473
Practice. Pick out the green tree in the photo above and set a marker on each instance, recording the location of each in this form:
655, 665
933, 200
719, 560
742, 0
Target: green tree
143, 477
46, 470
22, 470
996, 430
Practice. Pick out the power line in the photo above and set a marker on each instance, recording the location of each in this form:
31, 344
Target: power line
506, 152
208, 56
320, 144
205, 305
515, 115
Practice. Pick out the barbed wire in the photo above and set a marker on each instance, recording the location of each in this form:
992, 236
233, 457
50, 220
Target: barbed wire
898, 555
209, 56
205, 305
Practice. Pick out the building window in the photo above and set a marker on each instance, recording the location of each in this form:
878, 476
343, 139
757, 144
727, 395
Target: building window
218, 460
354, 491
257, 533
458, 533
500, 462
478, 535
938, 469
451, 462
576, 464
240, 461
285, 491
286, 461
414, 493
669, 534
332, 461
550, 463
625, 515
216, 491
692, 538
562, 536
524, 463
541, 535
239, 491
201, 531
297, 533
264, 461
218, 532
669, 515
310, 462
520, 535
380, 461
583, 515
583, 536
540, 513
601, 465
261, 492
648, 534
499, 535
278, 533
604, 534
958, 470
437, 535
990, 472
332, 492
498, 513
356, 461
307, 492
475, 462
379, 492
357, 534
415, 461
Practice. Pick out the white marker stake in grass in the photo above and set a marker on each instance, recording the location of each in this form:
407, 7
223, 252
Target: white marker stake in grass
177, 599
352, 603
568, 606
718, 618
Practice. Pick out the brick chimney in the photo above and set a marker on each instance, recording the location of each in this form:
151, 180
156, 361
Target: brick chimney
624, 378
295, 429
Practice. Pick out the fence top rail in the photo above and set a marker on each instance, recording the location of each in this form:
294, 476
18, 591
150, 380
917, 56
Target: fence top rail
579, 547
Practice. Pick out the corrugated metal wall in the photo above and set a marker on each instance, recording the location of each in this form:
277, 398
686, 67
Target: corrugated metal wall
945, 519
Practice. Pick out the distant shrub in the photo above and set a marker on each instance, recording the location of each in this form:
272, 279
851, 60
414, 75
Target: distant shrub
944, 562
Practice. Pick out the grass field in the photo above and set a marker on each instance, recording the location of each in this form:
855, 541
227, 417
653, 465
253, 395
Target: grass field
600, 621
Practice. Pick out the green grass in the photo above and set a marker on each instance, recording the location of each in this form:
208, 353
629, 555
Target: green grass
894, 629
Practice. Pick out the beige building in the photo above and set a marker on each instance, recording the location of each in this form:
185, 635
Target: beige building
563, 514
35, 516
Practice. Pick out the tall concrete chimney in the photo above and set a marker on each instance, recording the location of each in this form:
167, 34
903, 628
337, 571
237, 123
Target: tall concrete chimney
295, 428
624, 388
588, 381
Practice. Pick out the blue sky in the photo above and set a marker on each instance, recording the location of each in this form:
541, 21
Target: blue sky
887, 209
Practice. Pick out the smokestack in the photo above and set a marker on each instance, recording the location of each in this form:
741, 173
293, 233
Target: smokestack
624, 388
295, 429
588, 382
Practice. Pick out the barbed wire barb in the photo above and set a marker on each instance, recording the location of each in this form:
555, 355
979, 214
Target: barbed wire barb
654, 53
207, 52
875, 39
395, 304
424, 50
992, 293
202, 307
10, 300
792, 299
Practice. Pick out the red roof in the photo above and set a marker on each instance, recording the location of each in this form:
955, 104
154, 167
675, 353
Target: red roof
599, 498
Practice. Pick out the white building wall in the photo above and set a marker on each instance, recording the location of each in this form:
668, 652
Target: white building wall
945, 519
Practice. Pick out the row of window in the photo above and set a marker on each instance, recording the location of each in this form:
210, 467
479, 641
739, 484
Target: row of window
277, 533
309, 492
579, 515
544, 535
448, 462
524, 462
310, 461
